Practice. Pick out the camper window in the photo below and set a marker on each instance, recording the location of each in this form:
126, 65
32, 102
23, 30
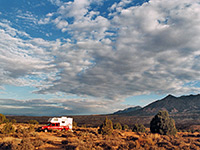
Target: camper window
55, 119
63, 121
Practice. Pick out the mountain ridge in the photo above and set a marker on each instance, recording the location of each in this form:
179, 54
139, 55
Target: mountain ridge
129, 109
174, 105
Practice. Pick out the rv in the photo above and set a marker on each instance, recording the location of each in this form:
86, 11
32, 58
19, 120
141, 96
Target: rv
62, 123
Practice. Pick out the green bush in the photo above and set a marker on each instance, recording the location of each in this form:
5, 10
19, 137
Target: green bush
163, 124
139, 128
2, 118
117, 126
8, 128
33, 122
106, 128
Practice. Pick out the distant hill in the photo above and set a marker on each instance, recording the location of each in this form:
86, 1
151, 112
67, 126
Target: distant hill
127, 110
174, 105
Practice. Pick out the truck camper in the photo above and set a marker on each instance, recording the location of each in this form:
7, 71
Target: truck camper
62, 123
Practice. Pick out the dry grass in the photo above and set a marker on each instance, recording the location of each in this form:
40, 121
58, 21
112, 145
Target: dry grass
25, 138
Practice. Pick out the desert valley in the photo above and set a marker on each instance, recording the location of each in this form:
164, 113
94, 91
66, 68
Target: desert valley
131, 129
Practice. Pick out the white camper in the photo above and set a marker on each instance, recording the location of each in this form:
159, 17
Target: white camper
64, 121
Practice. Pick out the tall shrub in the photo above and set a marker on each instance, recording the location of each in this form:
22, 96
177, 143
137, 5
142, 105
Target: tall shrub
117, 126
163, 124
106, 128
2, 118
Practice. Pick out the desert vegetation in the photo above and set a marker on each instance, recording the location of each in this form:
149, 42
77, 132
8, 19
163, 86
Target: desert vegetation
89, 138
163, 124
109, 135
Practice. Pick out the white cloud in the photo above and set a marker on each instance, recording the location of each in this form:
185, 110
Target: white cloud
152, 48
27, 17
156, 50
59, 107
20, 59
60, 24
56, 2
44, 21
76, 19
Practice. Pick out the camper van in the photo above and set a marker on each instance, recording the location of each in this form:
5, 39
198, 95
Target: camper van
62, 123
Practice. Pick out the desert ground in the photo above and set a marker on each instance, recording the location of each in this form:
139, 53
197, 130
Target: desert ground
26, 137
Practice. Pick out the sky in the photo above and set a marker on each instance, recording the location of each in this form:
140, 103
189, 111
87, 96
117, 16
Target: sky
77, 57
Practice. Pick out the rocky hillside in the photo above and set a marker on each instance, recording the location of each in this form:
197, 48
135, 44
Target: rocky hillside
174, 105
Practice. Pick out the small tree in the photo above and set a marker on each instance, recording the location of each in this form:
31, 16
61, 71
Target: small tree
2, 118
74, 124
106, 128
162, 124
117, 126
139, 128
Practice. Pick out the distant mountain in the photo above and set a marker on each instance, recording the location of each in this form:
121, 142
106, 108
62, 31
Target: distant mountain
174, 105
127, 110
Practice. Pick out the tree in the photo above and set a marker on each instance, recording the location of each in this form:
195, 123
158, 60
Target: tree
2, 118
106, 128
117, 126
139, 128
163, 124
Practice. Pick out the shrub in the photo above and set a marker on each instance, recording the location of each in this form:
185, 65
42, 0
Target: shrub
6, 120
26, 144
74, 124
2, 118
84, 126
117, 126
31, 128
125, 127
106, 128
8, 128
13, 121
6, 145
33, 122
162, 124
37, 142
139, 128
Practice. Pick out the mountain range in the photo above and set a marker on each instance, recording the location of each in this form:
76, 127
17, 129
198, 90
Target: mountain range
174, 105
127, 110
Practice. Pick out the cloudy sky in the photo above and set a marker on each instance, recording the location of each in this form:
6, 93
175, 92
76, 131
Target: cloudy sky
65, 57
